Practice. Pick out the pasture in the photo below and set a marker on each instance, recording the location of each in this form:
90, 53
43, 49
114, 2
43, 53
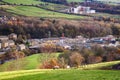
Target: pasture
99, 65
75, 0
38, 12
116, 1
27, 63
72, 74
34, 1
25, 2
34, 61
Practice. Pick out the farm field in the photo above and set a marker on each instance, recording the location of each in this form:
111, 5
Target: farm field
26, 2
73, 74
110, 2
50, 6
33, 1
38, 12
105, 15
75, 0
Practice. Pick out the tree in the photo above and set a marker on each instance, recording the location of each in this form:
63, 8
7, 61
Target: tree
62, 62
17, 54
48, 48
64, 58
76, 59
20, 39
47, 60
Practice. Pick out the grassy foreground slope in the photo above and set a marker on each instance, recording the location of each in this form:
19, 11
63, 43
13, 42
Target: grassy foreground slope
33, 62
30, 62
38, 12
73, 74
100, 65
117, 1
27, 63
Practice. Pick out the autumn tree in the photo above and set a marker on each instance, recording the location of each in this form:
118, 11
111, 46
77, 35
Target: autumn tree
47, 61
17, 54
48, 48
76, 59
70, 58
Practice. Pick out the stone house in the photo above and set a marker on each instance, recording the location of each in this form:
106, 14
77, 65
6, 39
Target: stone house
13, 36
21, 47
4, 38
4, 44
11, 43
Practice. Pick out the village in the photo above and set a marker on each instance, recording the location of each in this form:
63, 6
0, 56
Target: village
8, 43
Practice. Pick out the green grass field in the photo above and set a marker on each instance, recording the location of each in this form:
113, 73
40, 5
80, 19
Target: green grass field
33, 62
34, 1
23, 1
110, 1
38, 12
73, 74
75, 0
105, 15
30, 62
100, 65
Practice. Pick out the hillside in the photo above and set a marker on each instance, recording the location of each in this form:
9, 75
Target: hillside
38, 12
116, 1
30, 62
34, 1
75, 0
33, 62
73, 74
24, 1
47, 5
100, 65
22, 7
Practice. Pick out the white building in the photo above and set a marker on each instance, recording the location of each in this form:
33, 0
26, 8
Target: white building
81, 10
21, 47
33, 42
92, 11
3, 38
13, 36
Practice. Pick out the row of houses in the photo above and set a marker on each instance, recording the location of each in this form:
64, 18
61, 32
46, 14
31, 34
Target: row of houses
69, 43
8, 42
